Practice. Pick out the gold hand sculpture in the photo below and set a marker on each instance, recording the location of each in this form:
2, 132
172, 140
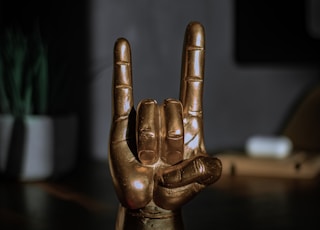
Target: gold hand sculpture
157, 157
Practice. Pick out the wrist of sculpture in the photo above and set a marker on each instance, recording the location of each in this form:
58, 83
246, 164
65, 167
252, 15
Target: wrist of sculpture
150, 217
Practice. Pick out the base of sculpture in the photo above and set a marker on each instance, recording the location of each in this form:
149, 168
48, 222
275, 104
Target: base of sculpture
153, 218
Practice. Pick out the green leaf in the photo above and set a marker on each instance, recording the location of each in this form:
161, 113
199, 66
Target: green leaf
24, 74
4, 102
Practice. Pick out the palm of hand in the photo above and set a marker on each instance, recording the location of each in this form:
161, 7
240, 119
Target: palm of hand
157, 155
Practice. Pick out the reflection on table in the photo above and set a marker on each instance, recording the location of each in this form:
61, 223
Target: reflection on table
85, 200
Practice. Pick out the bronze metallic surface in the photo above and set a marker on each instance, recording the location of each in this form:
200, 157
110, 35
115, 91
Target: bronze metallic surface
157, 157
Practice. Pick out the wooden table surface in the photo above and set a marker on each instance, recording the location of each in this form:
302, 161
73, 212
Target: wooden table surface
85, 199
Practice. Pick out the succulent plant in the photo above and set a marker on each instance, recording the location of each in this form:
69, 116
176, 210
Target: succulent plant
23, 74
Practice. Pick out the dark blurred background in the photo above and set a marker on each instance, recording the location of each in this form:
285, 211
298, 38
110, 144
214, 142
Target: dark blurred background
261, 57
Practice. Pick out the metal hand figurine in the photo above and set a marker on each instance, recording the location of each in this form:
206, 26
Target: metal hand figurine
157, 157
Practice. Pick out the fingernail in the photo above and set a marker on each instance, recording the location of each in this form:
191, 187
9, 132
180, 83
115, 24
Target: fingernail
147, 157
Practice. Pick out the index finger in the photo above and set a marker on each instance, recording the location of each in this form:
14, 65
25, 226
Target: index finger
192, 73
122, 104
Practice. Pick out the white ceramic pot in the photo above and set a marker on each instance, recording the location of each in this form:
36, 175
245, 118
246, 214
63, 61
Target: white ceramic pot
37, 147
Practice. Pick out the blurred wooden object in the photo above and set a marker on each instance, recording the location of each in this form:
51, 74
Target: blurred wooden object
303, 128
298, 165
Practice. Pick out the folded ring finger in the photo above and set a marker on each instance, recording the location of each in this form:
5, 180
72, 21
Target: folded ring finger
174, 133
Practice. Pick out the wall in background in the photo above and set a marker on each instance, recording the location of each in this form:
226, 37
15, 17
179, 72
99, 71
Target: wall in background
239, 101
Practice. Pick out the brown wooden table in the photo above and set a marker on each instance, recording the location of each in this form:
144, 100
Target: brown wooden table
85, 199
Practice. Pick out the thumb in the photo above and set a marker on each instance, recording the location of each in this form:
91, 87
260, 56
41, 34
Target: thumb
204, 170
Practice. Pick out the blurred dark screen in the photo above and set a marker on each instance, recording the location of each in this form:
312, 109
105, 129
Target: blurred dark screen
274, 32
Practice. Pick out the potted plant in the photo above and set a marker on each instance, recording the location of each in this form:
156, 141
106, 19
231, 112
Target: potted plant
34, 144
